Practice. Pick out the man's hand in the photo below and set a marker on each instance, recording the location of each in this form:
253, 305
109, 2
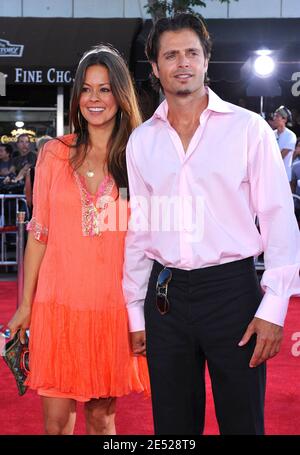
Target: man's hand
138, 342
269, 337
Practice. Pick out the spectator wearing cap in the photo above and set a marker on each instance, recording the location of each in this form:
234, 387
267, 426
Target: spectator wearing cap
286, 139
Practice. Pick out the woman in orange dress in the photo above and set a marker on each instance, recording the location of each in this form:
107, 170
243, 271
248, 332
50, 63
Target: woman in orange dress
72, 300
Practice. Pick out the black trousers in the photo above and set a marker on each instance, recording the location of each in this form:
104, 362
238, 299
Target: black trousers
210, 309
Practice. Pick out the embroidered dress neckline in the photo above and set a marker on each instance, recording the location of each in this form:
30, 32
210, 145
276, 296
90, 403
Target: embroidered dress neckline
93, 207
101, 186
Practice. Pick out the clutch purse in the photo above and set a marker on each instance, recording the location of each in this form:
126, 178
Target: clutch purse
16, 356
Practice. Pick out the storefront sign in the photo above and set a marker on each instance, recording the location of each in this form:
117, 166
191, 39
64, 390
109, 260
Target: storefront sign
41, 76
3, 84
8, 49
14, 134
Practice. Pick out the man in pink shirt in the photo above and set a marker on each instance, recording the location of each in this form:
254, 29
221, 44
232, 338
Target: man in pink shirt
200, 171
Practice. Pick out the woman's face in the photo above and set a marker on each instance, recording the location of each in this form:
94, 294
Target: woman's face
97, 103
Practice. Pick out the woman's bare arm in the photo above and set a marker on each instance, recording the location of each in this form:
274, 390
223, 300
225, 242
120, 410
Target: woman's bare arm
33, 257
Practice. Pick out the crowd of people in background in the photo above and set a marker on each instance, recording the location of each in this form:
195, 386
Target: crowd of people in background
17, 165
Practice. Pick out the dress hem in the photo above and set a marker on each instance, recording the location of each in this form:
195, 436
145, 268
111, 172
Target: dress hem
54, 393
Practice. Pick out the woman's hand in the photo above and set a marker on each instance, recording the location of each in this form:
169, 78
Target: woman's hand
20, 320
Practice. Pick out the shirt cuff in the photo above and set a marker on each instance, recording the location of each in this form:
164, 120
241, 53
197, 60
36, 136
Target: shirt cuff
136, 318
273, 309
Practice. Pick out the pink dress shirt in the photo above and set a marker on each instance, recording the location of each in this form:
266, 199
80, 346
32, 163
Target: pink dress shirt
231, 172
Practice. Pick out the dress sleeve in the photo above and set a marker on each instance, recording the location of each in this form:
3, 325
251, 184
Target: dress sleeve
39, 223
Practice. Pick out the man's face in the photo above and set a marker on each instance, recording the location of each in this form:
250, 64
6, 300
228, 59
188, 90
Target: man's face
23, 145
181, 65
278, 121
3, 153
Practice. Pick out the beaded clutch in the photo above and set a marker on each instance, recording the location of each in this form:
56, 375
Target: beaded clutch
16, 356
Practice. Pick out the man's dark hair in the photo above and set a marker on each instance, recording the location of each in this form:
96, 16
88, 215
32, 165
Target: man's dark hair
23, 135
172, 24
8, 148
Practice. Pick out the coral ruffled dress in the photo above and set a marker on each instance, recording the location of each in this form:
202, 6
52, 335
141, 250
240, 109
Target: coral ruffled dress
79, 341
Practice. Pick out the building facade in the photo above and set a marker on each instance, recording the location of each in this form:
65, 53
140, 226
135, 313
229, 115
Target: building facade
136, 8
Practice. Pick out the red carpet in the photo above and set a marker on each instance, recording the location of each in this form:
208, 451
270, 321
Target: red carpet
22, 415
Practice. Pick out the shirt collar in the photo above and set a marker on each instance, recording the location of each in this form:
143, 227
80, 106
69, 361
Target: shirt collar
215, 103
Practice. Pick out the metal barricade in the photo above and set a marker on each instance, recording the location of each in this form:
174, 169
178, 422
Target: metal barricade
12, 226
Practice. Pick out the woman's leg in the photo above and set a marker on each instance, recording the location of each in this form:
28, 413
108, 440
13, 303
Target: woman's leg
59, 415
100, 416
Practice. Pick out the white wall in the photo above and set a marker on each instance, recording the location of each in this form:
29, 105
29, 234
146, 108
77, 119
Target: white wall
47, 8
213, 10
99, 8
135, 8
12, 8
254, 8
291, 8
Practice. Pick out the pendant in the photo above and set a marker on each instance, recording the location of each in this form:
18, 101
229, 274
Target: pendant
90, 174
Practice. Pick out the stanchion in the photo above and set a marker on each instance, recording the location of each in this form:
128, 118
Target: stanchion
20, 254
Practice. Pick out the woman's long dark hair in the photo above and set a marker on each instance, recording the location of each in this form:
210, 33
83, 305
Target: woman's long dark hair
128, 115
